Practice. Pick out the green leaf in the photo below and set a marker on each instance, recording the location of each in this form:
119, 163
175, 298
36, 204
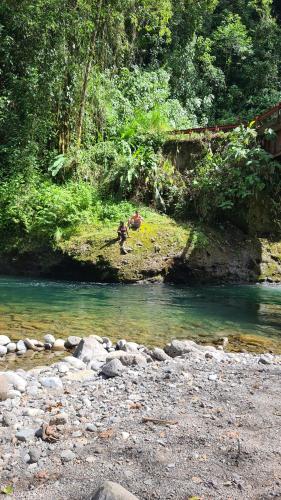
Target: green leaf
7, 490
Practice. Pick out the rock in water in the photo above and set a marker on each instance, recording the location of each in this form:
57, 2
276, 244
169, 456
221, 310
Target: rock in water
113, 368
89, 349
4, 340
112, 491
4, 388
59, 345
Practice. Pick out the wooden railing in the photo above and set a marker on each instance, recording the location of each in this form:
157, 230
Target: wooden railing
261, 121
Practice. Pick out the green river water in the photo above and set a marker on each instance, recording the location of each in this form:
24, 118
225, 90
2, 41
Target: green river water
249, 315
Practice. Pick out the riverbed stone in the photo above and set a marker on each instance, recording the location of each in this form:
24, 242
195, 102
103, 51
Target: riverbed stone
4, 340
74, 362
89, 349
49, 339
4, 388
21, 346
72, 341
30, 344
3, 350
112, 491
59, 345
25, 435
16, 381
67, 456
127, 358
130, 347
81, 375
11, 347
113, 368
53, 383
159, 354
179, 347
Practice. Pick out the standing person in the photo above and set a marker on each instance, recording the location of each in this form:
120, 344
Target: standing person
135, 221
122, 232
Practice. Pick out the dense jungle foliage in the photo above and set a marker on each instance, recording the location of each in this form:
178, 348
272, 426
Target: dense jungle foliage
89, 89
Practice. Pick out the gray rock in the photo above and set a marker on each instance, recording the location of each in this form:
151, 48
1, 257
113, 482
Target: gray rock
91, 428
159, 354
75, 362
67, 456
16, 381
11, 347
49, 339
53, 383
3, 350
112, 491
90, 349
179, 347
31, 344
32, 412
4, 340
12, 394
130, 347
113, 368
34, 455
121, 343
4, 388
95, 365
8, 419
127, 358
25, 435
72, 341
265, 360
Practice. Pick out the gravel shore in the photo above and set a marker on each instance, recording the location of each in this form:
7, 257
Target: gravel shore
191, 422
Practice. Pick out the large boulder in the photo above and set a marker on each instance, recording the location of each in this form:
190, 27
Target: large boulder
112, 491
89, 349
180, 347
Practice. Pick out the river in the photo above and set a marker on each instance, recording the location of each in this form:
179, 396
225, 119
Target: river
148, 314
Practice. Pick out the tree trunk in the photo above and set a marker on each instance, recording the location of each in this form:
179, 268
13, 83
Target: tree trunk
86, 78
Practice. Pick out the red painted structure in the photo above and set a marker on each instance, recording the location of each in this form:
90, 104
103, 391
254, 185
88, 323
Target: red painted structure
270, 119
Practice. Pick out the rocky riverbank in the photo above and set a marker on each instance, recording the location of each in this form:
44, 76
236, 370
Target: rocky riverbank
187, 421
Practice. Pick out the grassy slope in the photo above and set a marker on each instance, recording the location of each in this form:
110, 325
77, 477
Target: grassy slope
158, 239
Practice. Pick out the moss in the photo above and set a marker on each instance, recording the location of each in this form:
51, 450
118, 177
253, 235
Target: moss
148, 248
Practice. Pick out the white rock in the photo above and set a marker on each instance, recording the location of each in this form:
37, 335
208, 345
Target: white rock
53, 383
4, 387
32, 412
17, 382
11, 347
72, 341
21, 346
4, 340
212, 377
49, 339
3, 350
130, 347
75, 362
